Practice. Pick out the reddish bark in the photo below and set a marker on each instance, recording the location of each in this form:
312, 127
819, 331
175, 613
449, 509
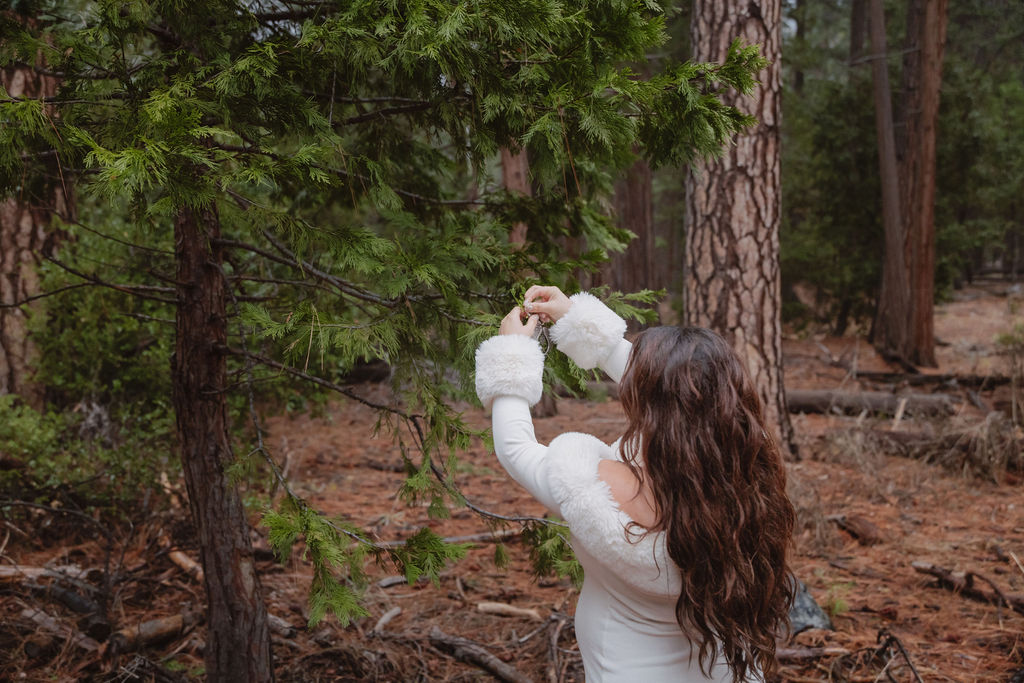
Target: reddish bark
23, 240
238, 641
732, 280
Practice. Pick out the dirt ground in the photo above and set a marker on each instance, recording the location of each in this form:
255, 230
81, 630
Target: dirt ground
904, 510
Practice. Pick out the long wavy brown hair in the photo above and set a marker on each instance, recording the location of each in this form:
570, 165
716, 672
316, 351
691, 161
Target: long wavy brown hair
697, 435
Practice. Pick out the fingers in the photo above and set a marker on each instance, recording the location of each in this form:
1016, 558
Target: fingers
541, 292
513, 323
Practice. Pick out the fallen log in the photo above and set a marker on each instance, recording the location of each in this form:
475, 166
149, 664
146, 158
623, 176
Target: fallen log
468, 651
149, 632
963, 583
972, 381
877, 402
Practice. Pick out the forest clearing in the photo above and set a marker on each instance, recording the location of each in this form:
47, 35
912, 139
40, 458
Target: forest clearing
949, 512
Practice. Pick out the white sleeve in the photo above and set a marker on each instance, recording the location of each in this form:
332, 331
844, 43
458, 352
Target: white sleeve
615, 364
517, 449
508, 380
590, 333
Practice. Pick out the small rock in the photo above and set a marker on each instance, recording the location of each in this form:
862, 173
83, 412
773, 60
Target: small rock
805, 612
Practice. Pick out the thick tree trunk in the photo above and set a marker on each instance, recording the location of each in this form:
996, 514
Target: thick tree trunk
23, 240
732, 281
922, 78
891, 330
238, 642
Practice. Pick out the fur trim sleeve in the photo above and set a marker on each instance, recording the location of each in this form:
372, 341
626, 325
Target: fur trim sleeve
589, 332
509, 365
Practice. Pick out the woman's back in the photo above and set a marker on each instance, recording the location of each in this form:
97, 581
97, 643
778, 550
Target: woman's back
704, 542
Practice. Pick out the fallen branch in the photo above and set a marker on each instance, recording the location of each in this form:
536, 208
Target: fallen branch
963, 583
878, 402
183, 561
19, 574
802, 654
54, 627
148, 632
67, 597
507, 610
385, 619
468, 651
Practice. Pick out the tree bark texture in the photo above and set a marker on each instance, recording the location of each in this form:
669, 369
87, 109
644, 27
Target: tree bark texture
732, 280
635, 268
891, 329
515, 170
23, 240
238, 642
919, 113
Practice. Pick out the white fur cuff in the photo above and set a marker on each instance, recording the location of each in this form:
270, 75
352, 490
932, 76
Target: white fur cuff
589, 332
509, 365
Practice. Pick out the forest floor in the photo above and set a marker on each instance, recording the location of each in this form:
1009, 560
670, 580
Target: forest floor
866, 513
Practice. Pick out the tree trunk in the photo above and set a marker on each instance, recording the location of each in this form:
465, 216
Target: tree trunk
891, 330
23, 240
922, 78
238, 642
515, 171
635, 268
858, 27
732, 280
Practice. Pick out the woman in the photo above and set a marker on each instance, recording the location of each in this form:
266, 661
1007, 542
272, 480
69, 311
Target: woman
683, 525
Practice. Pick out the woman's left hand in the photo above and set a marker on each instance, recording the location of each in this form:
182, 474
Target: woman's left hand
513, 323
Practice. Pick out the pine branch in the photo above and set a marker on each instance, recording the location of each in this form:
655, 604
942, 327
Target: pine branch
345, 175
59, 290
383, 113
134, 290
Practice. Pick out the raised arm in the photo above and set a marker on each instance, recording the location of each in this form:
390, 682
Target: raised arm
585, 329
508, 380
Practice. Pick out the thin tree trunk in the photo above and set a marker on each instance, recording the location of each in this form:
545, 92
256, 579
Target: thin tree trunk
922, 78
238, 642
23, 241
515, 171
858, 28
732, 280
891, 333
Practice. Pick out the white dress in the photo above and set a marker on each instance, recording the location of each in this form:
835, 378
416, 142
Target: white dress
625, 618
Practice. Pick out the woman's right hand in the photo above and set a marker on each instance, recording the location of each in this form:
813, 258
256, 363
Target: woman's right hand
547, 302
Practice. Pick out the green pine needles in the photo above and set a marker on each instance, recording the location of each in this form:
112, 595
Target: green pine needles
348, 153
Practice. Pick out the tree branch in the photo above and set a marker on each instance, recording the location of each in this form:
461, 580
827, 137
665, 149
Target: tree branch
134, 290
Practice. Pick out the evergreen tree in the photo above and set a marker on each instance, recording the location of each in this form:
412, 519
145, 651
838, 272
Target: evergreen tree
315, 185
